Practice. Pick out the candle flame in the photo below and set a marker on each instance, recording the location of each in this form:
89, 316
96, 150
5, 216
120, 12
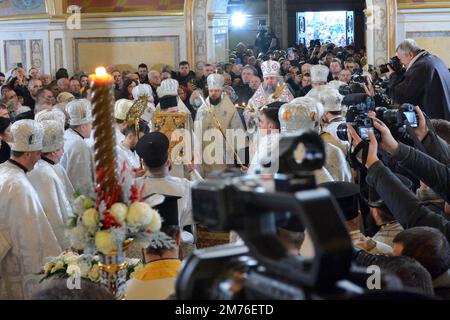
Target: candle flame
100, 72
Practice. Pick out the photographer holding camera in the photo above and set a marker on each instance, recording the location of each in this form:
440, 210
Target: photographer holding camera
401, 202
425, 82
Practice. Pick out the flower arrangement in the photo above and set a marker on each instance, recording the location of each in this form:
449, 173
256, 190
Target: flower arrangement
104, 224
86, 266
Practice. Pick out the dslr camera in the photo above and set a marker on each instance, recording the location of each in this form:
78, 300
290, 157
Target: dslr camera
396, 118
394, 63
358, 117
400, 121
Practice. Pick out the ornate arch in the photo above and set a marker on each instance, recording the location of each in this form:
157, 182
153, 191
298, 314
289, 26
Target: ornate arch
201, 17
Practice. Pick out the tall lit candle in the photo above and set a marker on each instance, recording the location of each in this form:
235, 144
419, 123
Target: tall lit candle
103, 126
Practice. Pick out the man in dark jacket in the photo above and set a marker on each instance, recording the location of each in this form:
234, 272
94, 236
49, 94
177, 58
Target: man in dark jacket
426, 81
184, 74
243, 89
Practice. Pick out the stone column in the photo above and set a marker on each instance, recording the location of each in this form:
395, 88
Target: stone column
278, 20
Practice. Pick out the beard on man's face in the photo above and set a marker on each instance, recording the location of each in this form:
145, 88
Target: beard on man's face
215, 101
268, 88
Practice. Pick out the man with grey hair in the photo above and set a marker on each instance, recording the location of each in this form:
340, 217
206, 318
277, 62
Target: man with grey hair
425, 82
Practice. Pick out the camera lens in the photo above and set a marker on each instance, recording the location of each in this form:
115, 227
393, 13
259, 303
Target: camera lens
341, 132
390, 117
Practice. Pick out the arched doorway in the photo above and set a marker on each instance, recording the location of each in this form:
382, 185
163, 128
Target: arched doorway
207, 27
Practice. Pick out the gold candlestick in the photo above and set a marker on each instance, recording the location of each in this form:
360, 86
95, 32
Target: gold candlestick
104, 133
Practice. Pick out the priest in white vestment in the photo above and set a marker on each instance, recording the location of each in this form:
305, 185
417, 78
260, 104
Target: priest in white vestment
26, 236
78, 159
59, 116
45, 180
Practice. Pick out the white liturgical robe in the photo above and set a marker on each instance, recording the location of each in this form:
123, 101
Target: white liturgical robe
219, 155
52, 196
78, 161
26, 236
62, 174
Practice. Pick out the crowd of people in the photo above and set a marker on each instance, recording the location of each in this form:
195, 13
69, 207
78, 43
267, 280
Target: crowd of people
393, 192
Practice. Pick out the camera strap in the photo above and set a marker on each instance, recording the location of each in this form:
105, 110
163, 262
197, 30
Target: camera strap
364, 147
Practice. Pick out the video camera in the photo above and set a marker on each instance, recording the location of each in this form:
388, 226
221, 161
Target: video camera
261, 268
358, 117
252, 206
394, 63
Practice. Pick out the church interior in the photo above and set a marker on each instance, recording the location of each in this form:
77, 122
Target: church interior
225, 150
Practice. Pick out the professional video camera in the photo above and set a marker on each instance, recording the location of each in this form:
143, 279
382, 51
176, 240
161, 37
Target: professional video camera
261, 268
394, 63
358, 117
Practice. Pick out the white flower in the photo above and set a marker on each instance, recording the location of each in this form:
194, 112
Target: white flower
155, 225
48, 267
119, 211
77, 237
70, 258
90, 218
73, 270
85, 267
58, 266
82, 203
140, 214
104, 241
94, 273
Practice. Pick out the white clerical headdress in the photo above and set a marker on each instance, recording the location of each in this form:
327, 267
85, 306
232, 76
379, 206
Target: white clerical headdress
319, 73
215, 81
53, 136
27, 135
54, 114
168, 87
301, 113
143, 90
270, 68
121, 108
79, 112
331, 99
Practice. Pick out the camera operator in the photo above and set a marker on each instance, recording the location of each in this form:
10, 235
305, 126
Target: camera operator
400, 201
432, 168
425, 82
